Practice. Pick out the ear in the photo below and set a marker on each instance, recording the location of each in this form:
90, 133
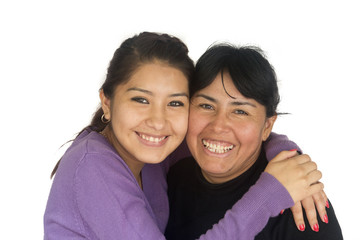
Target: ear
105, 105
269, 123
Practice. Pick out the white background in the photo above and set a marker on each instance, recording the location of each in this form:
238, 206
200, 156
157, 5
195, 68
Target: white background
54, 55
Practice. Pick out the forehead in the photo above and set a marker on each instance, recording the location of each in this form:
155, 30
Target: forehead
158, 73
223, 86
223, 91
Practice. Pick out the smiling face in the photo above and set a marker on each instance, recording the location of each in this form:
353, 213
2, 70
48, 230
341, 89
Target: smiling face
149, 114
225, 134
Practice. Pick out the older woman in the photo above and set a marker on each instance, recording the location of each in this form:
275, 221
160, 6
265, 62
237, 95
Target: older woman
233, 108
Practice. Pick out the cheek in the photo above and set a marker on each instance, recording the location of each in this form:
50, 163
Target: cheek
196, 124
125, 117
249, 133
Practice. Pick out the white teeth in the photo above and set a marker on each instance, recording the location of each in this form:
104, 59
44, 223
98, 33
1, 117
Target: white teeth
151, 139
217, 148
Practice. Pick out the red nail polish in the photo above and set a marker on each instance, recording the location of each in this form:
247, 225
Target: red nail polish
327, 204
282, 211
316, 227
326, 219
302, 227
293, 150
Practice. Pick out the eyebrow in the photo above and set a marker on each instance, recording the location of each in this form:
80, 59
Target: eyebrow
181, 94
234, 103
206, 97
140, 90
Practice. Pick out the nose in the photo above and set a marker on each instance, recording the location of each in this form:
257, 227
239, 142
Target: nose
156, 118
220, 123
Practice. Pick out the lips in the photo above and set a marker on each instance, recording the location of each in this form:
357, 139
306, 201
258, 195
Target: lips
152, 139
217, 147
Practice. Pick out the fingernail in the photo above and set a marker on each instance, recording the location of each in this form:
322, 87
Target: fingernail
282, 211
302, 227
327, 204
316, 227
326, 219
293, 150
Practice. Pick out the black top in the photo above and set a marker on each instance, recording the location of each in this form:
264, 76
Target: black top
196, 205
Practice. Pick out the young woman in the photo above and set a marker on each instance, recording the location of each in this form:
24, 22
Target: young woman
111, 182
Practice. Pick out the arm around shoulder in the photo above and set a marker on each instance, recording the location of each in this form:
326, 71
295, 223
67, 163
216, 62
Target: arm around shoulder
277, 143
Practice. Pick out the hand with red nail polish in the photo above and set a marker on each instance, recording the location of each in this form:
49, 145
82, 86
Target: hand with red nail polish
313, 206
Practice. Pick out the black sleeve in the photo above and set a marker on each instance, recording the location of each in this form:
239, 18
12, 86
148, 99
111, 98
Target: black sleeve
283, 227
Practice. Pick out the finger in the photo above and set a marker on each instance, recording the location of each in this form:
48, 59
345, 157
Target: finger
309, 206
320, 206
314, 188
313, 177
300, 159
309, 166
284, 155
325, 199
298, 216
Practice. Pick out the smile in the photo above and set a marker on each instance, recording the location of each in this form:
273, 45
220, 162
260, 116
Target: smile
217, 147
151, 139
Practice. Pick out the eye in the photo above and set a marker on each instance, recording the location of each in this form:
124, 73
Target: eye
240, 112
140, 100
176, 104
206, 106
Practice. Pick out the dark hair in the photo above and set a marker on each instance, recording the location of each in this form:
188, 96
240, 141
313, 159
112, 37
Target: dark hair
134, 52
249, 69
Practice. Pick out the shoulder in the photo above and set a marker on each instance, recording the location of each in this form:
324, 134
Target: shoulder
91, 156
87, 142
92, 146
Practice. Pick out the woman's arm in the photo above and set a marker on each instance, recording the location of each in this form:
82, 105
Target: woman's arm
252, 208
274, 189
277, 143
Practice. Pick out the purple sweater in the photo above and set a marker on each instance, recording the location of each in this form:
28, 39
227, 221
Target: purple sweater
95, 196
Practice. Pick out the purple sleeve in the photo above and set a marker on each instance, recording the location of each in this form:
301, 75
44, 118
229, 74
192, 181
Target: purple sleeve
251, 213
114, 212
277, 143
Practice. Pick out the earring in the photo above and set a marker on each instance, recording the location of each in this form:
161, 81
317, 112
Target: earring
104, 120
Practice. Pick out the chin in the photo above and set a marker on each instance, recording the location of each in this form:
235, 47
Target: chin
153, 160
